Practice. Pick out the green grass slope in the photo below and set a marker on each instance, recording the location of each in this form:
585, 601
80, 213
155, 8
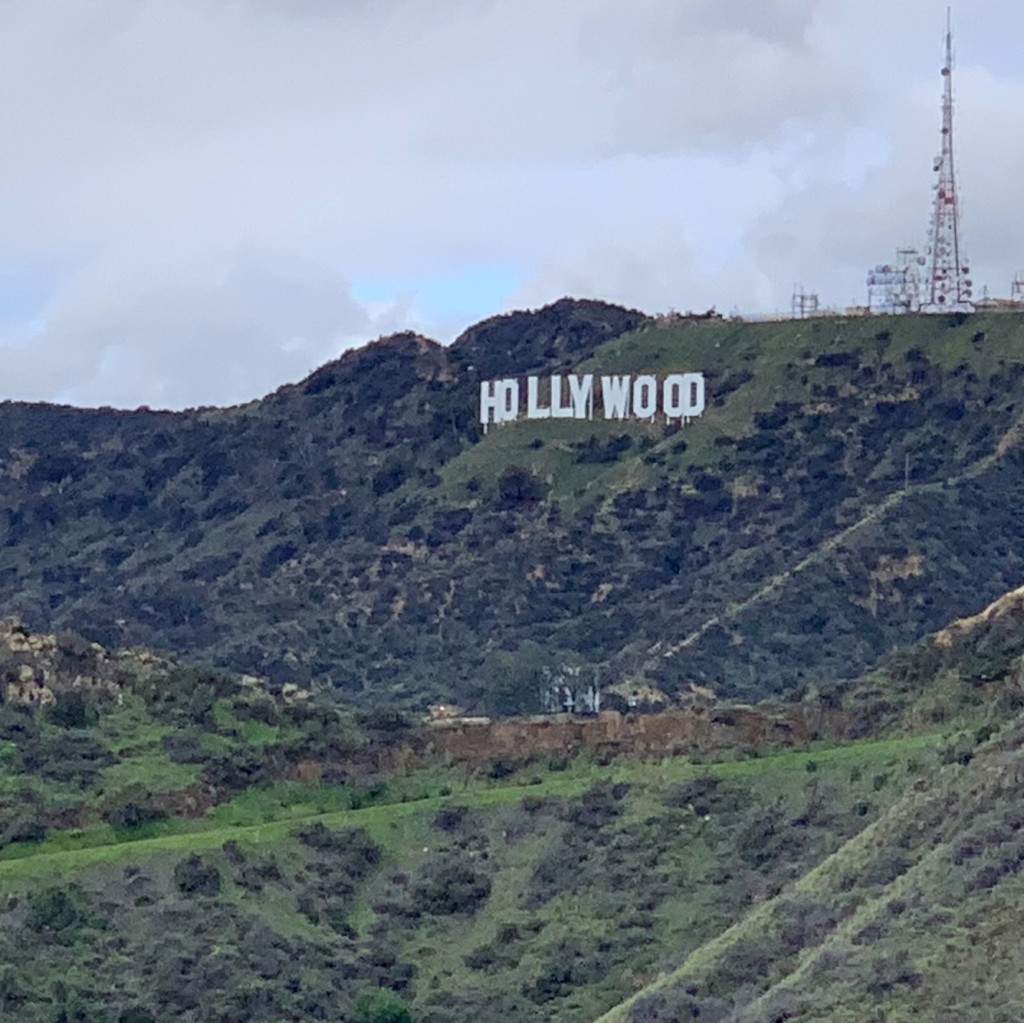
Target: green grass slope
161, 858
550, 898
915, 917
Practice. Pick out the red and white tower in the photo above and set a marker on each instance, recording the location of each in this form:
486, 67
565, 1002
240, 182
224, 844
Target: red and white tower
947, 286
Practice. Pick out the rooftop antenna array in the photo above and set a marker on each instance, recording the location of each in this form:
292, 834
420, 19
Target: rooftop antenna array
947, 286
803, 304
896, 288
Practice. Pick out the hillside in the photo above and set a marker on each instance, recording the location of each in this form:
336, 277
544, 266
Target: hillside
916, 917
853, 485
488, 904
184, 845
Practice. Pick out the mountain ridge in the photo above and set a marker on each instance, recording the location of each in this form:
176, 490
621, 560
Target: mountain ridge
356, 529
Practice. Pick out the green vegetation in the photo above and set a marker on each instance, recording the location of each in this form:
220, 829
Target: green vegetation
190, 844
893, 924
491, 904
853, 485
245, 884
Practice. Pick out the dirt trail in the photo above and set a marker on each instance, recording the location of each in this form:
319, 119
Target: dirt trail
1013, 438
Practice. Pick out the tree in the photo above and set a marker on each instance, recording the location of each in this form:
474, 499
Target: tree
519, 487
71, 711
513, 680
382, 1006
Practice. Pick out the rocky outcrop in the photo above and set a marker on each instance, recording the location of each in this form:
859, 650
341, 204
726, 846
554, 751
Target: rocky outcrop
36, 668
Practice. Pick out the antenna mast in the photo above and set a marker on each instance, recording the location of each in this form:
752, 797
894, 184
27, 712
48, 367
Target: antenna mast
803, 304
947, 286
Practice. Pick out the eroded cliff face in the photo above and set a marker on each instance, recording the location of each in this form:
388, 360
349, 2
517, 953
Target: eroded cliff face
699, 731
38, 669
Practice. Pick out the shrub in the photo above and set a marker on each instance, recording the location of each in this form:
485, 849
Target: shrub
353, 851
23, 827
596, 808
501, 768
276, 557
195, 876
450, 885
596, 451
136, 1015
58, 913
129, 813
669, 1006
386, 725
450, 818
71, 711
707, 795
519, 487
381, 1006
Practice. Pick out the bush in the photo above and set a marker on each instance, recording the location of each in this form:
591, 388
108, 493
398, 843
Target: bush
385, 725
130, 813
450, 885
382, 1006
501, 768
58, 913
354, 853
136, 1015
71, 711
596, 808
195, 876
566, 966
669, 1006
235, 771
596, 451
450, 818
518, 487
26, 827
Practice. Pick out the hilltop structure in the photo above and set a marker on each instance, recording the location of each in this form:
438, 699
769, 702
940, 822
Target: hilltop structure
896, 287
948, 286
937, 280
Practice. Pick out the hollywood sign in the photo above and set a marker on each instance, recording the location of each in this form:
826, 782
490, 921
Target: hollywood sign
675, 396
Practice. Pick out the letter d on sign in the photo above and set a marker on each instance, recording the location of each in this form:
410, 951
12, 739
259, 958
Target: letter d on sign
683, 395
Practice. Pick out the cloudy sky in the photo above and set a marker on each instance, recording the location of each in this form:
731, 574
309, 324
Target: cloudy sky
203, 199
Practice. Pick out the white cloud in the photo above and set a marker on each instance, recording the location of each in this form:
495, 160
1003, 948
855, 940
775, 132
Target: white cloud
221, 330
201, 179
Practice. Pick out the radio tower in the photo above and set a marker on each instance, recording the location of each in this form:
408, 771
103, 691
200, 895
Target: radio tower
947, 286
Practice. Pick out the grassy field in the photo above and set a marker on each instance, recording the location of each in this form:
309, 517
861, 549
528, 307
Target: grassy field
267, 815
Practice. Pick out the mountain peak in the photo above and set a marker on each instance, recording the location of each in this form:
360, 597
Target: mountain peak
558, 334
